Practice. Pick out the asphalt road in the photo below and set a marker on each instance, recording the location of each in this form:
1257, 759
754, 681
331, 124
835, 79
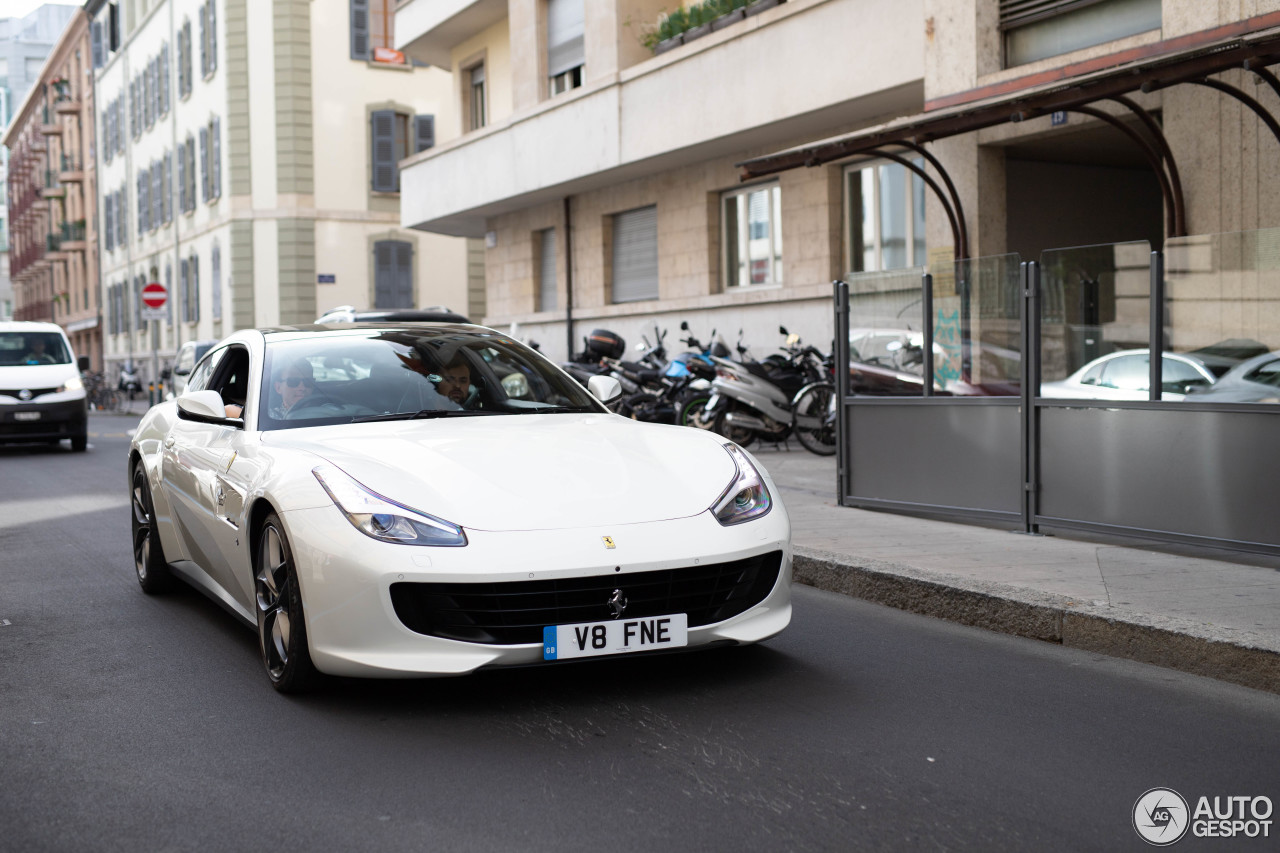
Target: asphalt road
137, 723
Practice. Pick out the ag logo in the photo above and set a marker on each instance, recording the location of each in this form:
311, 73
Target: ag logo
1161, 816
608, 542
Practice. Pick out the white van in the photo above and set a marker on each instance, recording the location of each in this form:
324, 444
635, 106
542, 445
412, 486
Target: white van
41, 395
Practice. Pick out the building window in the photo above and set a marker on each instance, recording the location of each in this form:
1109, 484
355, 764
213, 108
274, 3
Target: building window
208, 38
215, 290
884, 212
476, 115
184, 59
1044, 28
545, 244
390, 142
392, 274
189, 273
372, 26
751, 226
635, 255
565, 48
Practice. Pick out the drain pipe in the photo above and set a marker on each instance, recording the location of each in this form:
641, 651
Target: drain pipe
568, 280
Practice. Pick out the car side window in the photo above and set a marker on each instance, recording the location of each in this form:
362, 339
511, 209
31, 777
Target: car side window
231, 379
1267, 374
200, 377
1179, 377
1128, 372
1091, 378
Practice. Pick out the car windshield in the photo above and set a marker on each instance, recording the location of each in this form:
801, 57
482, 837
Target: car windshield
32, 348
404, 373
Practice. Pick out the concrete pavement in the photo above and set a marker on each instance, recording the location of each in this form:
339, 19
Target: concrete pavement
1208, 612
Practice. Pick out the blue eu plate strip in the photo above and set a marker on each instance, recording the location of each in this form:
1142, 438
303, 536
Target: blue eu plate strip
549, 643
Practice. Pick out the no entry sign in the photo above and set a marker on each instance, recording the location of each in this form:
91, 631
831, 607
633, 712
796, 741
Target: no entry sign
154, 295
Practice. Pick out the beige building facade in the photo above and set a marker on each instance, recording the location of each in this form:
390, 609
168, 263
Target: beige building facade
249, 164
52, 186
616, 199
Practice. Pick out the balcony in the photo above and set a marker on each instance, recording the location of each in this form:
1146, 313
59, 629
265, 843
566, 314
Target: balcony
52, 189
71, 172
66, 105
427, 30
71, 236
793, 76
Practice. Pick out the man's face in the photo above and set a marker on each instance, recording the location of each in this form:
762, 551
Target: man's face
455, 382
292, 387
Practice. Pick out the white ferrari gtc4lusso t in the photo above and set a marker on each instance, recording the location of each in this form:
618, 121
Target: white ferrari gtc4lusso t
429, 499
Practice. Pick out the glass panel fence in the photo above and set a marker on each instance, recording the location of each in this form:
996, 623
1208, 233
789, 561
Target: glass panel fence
1222, 293
977, 334
886, 337
1095, 316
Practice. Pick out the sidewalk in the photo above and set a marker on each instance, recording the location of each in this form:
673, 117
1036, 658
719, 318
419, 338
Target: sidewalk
1202, 611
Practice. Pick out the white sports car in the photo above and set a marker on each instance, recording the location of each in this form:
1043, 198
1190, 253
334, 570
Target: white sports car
428, 499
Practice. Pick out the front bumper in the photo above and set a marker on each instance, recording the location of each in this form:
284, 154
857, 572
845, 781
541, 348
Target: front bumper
38, 420
353, 629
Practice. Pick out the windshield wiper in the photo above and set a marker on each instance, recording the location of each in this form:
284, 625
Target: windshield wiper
424, 415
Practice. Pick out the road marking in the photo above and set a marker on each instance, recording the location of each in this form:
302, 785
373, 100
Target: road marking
4, 623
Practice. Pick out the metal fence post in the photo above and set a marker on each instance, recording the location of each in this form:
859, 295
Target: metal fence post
1030, 333
926, 300
840, 355
1156, 336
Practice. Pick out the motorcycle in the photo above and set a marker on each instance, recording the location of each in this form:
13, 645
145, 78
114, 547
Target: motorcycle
787, 394
129, 382
681, 390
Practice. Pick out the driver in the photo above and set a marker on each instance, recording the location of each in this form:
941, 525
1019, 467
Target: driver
36, 353
294, 384
455, 380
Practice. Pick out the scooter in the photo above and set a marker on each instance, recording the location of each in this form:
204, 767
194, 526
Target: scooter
129, 382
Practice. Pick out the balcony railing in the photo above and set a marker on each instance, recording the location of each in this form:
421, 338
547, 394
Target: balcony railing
72, 232
53, 243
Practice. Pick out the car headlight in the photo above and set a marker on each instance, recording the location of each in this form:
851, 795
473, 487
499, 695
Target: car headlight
383, 519
72, 384
746, 497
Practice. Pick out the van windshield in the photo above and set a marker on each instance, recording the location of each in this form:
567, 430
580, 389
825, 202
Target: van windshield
32, 348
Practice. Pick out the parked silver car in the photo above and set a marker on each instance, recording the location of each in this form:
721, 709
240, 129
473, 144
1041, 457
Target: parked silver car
1126, 375
1254, 381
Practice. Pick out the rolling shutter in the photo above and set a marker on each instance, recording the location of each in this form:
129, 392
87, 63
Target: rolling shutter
1015, 13
565, 27
359, 29
424, 132
383, 129
635, 255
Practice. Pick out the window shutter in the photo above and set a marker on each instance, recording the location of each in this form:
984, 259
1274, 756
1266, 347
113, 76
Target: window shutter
96, 39
155, 88
166, 192
191, 173
137, 302
182, 181
547, 271
383, 124
195, 289
140, 202
213, 36
204, 164
164, 79
424, 132
635, 255
215, 182
404, 275
215, 263
182, 62
113, 26
204, 59
168, 286
157, 194
108, 222
565, 27
383, 274
359, 29
184, 279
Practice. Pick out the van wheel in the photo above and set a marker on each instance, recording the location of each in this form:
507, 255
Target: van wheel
80, 442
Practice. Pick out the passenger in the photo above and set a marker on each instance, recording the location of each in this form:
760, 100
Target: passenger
36, 353
455, 380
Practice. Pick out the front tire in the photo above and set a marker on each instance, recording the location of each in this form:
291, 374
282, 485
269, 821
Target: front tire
79, 443
282, 630
148, 556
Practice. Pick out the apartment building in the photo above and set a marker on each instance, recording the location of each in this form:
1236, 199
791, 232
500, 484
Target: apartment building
54, 266
624, 173
24, 44
249, 163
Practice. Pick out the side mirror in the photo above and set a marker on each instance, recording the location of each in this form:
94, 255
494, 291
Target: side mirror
606, 389
782, 330
684, 325
202, 405
82, 364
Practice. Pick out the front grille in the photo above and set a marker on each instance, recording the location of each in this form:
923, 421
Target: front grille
35, 392
515, 613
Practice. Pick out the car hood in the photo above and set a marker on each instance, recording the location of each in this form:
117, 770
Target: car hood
33, 376
529, 472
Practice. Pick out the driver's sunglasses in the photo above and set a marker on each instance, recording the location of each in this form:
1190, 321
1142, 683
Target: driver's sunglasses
295, 381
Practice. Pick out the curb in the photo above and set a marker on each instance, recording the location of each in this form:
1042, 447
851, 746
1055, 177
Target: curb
1195, 648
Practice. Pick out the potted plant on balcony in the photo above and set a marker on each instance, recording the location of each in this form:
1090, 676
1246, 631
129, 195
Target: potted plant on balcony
670, 31
759, 6
699, 17
731, 12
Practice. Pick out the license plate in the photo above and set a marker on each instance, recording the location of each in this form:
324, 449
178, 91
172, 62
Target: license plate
26, 416
615, 637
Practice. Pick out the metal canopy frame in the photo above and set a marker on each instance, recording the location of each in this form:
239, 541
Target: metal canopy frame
1253, 53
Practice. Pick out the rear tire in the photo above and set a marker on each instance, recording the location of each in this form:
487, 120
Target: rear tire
738, 435
816, 403
148, 556
282, 629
